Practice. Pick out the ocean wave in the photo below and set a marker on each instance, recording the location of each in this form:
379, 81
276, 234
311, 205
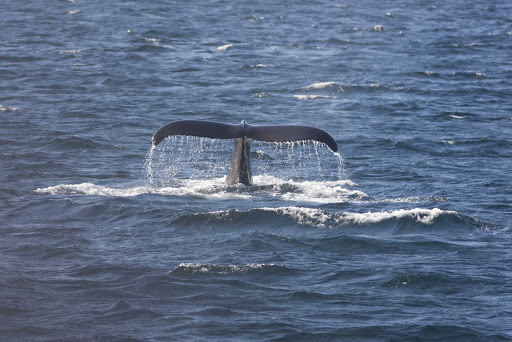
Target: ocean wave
309, 97
9, 109
411, 199
320, 85
314, 217
76, 51
193, 268
467, 74
154, 41
308, 191
260, 95
122, 310
257, 66
434, 281
76, 142
265, 187
99, 190
224, 47
331, 88
320, 218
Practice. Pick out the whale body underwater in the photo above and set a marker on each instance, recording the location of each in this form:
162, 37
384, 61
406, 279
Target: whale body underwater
242, 134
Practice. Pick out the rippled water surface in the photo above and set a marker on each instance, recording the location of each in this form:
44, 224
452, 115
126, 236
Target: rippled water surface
405, 235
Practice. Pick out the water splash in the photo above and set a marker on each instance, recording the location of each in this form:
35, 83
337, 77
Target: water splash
341, 167
148, 165
187, 157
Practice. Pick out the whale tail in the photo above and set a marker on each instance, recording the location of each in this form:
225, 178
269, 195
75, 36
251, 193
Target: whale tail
243, 134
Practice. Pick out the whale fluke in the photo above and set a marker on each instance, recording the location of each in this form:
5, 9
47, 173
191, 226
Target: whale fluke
197, 128
243, 134
291, 133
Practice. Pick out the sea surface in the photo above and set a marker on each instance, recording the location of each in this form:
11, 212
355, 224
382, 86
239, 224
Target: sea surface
406, 234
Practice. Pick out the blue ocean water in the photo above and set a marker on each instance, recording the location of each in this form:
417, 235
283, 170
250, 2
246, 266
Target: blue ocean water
406, 235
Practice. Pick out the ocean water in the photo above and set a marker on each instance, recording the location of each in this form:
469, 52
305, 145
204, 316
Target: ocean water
405, 235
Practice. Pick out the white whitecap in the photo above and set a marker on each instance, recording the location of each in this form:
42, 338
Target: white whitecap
311, 191
310, 97
319, 85
192, 267
152, 40
198, 188
224, 47
319, 218
9, 109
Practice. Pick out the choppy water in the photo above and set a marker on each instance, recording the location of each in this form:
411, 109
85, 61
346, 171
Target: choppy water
405, 236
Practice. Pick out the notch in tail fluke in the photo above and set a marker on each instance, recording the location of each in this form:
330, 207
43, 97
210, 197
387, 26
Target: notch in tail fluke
218, 130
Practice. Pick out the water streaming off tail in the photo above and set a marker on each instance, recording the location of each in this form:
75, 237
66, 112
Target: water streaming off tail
180, 158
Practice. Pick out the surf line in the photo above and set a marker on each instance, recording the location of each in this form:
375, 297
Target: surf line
242, 134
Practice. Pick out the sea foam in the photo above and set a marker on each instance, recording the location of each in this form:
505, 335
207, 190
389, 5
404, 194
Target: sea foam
309, 97
323, 219
192, 188
319, 85
191, 267
224, 47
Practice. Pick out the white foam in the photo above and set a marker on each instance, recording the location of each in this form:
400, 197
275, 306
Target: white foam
319, 218
70, 51
152, 40
224, 47
310, 191
9, 109
319, 85
308, 97
192, 267
272, 180
266, 187
198, 188
412, 199
457, 116
73, 12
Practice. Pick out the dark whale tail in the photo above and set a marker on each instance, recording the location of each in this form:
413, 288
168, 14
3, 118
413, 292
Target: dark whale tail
243, 133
